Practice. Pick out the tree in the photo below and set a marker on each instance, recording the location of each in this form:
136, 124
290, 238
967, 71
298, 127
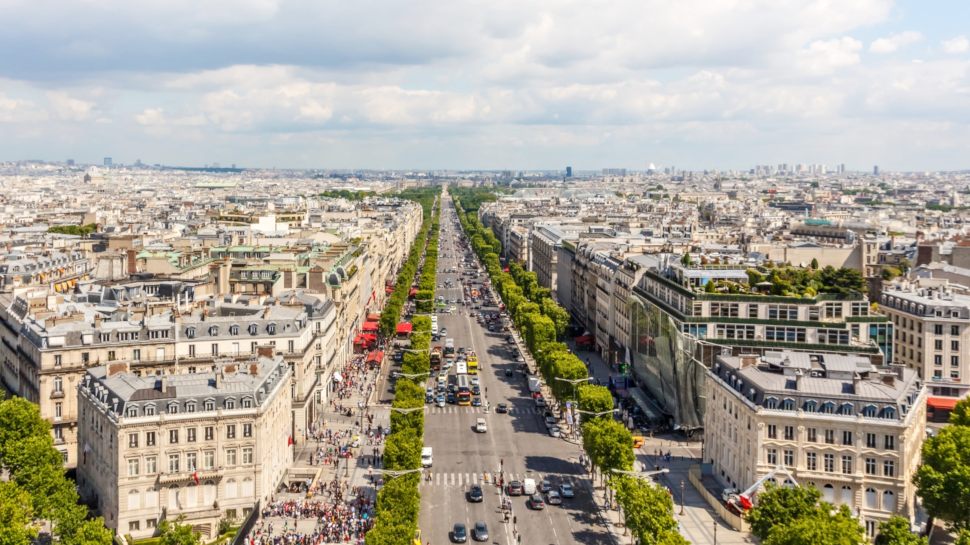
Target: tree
89, 532
814, 264
15, 515
403, 450
782, 505
558, 315
685, 260
896, 531
595, 399
608, 444
822, 528
176, 533
648, 511
943, 479
19, 419
960, 416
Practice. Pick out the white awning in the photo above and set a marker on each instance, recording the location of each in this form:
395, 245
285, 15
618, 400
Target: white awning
337, 377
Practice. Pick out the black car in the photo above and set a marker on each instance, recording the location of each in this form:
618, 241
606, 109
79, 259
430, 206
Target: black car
508, 372
476, 389
502, 408
475, 494
451, 398
459, 534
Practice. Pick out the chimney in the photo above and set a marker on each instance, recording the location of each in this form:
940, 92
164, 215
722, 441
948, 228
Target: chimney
899, 372
163, 384
97, 320
217, 373
224, 269
265, 351
889, 379
798, 379
856, 382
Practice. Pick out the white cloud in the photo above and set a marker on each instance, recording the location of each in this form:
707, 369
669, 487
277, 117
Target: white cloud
957, 45
67, 108
893, 43
826, 56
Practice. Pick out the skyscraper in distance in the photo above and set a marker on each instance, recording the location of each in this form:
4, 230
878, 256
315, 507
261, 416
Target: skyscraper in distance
107, 161
875, 170
569, 172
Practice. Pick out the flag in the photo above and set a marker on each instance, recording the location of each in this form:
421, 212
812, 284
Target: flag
289, 441
195, 477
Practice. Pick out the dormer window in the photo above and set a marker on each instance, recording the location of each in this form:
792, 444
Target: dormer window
810, 406
190, 407
230, 403
889, 412
173, 408
869, 411
190, 332
846, 409
210, 405
827, 408
253, 329
131, 411
213, 330
247, 403
788, 404
149, 410
271, 329
771, 403
234, 330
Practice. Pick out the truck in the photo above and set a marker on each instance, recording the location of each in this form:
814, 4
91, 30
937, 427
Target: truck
436, 358
535, 384
449, 347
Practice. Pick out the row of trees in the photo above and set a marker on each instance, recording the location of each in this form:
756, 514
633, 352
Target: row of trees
943, 479
399, 501
647, 510
79, 230
392, 309
35, 493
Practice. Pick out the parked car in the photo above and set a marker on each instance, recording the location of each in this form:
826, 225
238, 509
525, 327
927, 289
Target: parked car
555, 432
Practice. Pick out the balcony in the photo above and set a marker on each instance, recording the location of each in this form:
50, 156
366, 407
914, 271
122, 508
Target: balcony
187, 476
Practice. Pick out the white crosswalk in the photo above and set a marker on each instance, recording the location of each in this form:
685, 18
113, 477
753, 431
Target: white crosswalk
454, 409
464, 480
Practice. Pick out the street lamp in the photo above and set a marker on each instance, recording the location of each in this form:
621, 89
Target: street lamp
601, 413
412, 375
681, 497
641, 474
393, 473
573, 381
407, 411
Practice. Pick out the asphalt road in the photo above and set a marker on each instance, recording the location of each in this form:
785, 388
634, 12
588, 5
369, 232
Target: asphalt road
518, 438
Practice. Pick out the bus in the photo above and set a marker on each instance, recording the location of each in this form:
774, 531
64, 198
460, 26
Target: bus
436, 358
461, 368
472, 363
464, 390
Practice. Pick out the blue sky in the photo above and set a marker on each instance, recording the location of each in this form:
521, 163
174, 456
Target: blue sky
519, 84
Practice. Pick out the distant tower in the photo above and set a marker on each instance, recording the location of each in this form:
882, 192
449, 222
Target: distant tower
875, 170
569, 172
70, 162
107, 161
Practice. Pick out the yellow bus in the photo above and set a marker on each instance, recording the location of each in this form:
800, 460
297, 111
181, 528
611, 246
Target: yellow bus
472, 363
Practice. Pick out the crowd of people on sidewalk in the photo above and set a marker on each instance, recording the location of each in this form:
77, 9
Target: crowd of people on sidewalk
336, 520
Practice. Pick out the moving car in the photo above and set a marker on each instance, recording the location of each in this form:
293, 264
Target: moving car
440, 401
502, 408
459, 534
480, 531
514, 488
481, 426
427, 456
475, 494
566, 491
476, 402
536, 502
553, 498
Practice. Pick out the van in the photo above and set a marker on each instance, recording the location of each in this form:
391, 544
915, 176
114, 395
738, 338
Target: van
529, 487
427, 457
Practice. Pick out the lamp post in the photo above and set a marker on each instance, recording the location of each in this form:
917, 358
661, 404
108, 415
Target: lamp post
574, 382
682, 497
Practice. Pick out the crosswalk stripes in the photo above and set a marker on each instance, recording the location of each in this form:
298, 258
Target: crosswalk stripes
464, 480
481, 410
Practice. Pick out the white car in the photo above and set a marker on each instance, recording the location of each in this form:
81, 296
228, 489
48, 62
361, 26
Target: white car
555, 432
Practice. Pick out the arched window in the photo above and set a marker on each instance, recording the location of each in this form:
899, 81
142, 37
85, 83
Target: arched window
889, 412
213, 330
190, 332
872, 499
827, 408
248, 488
846, 495
828, 493
869, 411
810, 406
208, 493
151, 498
271, 329
846, 409
888, 501
771, 402
234, 330
231, 491
131, 411
253, 329
174, 501
788, 404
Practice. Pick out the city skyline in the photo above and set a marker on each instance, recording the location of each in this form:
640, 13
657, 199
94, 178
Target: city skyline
698, 85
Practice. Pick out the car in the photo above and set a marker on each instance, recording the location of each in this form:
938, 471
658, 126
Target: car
550, 422
459, 534
553, 498
451, 398
440, 400
536, 502
502, 408
555, 432
476, 389
476, 402
540, 401
508, 372
476, 381
475, 494
443, 331
480, 531
514, 488
545, 485
566, 490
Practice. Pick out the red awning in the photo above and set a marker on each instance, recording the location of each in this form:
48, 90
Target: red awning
365, 338
373, 316
371, 326
413, 292
944, 403
375, 356
585, 339
389, 289
404, 327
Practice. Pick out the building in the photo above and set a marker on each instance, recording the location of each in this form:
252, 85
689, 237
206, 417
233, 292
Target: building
202, 446
932, 337
838, 422
108, 161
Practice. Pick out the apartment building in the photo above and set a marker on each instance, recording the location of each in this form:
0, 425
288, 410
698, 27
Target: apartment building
839, 422
932, 337
201, 446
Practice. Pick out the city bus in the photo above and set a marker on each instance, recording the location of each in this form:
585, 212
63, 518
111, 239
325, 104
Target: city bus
436, 358
461, 368
464, 390
472, 363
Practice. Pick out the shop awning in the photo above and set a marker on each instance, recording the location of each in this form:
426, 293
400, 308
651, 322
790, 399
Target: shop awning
375, 356
337, 377
404, 328
585, 339
944, 403
374, 317
371, 326
365, 338
388, 289
413, 292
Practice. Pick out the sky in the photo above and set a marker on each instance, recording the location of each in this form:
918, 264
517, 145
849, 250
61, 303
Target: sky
498, 84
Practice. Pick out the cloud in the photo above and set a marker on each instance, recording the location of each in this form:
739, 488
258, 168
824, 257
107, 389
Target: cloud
826, 56
957, 45
894, 42
67, 108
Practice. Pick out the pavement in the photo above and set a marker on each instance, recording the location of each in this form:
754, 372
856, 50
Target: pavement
516, 446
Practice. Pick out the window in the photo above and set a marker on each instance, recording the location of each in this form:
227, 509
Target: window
888, 468
954, 330
753, 311
209, 433
772, 456
247, 430
890, 442
789, 458
111, 355
85, 358
833, 310
846, 409
847, 465
869, 411
271, 329
954, 361
173, 408
829, 461
871, 440
150, 438
870, 466
173, 437
230, 431
724, 310
190, 435
173, 463
191, 461
210, 405
58, 382
782, 312
133, 467
810, 406
136, 354
733, 331
772, 431
937, 329
133, 525
230, 457
789, 433
132, 440
190, 407
234, 330
213, 330
131, 411
209, 459
253, 329
230, 403
830, 437
955, 345
833, 336
785, 334
247, 403
151, 466
247, 455
191, 350
811, 461
938, 344
788, 404
190, 332
151, 523
846, 437
812, 435
215, 349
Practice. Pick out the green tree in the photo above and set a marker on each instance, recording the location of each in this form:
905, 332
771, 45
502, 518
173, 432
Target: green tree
896, 531
558, 315
19, 419
176, 533
403, 450
608, 444
89, 532
960, 416
15, 515
822, 528
781, 506
648, 511
685, 259
814, 264
595, 399
943, 479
